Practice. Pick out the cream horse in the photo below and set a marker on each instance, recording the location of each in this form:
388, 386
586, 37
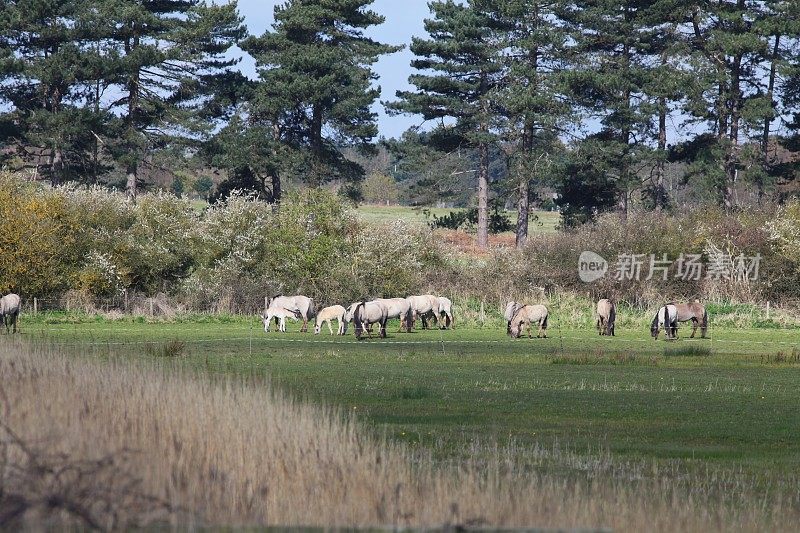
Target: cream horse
398, 308
511, 310
9, 310
606, 316
364, 314
302, 304
329, 314
527, 315
422, 306
280, 314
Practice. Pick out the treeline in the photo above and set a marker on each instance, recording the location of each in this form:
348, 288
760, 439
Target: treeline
90, 245
601, 101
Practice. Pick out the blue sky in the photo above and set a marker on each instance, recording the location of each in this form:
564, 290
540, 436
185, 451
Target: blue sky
404, 19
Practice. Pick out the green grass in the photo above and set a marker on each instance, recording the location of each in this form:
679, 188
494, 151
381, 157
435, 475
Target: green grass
730, 402
546, 222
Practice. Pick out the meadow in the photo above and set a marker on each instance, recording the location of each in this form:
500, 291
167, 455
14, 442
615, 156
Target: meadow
540, 221
575, 430
727, 400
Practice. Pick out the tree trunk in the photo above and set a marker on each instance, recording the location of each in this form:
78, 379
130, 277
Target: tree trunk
276, 188
132, 170
523, 212
132, 173
56, 166
731, 157
483, 195
316, 146
768, 120
661, 193
523, 187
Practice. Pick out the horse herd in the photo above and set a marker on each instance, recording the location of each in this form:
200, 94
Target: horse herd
364, 314
427, 307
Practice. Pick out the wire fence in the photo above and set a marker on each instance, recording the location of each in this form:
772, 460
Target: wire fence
113, 334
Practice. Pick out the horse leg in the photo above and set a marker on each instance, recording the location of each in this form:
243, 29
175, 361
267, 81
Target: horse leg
383, 329
329, 325
694, 328
304, 328
15, 322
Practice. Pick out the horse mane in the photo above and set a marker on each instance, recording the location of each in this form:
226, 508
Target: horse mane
516, 312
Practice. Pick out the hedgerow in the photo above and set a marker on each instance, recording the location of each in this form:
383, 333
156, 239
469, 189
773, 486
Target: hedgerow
92, 243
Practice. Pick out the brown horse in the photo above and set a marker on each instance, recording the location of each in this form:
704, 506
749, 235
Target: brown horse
696, 312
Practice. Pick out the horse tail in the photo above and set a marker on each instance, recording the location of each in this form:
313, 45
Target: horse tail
544, 320
357, 321
704, 324
667, 322
312, 308
612, 316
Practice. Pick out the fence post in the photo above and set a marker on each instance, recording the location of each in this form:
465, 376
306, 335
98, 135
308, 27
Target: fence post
482, 315
151, 307
125, 293
35, 305
767, 309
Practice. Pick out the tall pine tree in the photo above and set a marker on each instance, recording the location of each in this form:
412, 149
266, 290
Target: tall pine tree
45, 66
458, 74
167, 57
316, 87
531, 45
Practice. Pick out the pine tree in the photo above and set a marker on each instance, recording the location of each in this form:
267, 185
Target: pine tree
44, 69
530, 43
459, 73
728, 58
609, 82
167, 58
316, 87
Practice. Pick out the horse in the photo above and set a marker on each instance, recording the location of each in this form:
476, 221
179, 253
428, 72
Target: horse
446, 313
511, 310
303, 304
606, 316
696, 312
398, 308
422, 306
9, 310
527, 315
280, 314
666, 317
363, 314
328, 314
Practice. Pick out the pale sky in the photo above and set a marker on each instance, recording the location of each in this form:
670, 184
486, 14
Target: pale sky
404, 19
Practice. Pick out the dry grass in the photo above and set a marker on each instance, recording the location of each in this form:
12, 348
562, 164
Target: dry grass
154, 445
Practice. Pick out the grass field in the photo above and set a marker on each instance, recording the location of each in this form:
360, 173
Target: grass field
729, 403
545, 221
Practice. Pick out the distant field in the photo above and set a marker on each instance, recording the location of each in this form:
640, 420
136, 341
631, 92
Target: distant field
690, 405
546, 222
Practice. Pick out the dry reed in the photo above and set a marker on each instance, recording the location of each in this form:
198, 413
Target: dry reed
113, 443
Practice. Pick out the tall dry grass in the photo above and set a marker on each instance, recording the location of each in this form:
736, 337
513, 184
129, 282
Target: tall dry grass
112, 443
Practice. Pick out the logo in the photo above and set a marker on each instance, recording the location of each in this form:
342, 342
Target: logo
591, 267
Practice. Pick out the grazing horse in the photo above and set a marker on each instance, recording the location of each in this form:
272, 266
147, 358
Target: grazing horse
666, 317
329, 314
606, 316
280, 314
526, 316
511, 310
398, 308
302, 304
363, 314
9, 310
446, 313
422, 306
696, 312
